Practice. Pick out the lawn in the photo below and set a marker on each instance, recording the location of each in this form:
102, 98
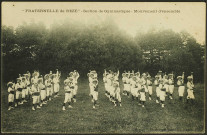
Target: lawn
82, 118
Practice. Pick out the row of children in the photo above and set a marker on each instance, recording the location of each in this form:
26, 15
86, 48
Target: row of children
138, 85
112, 88
135, 85
28, 86
93, 85
70, 87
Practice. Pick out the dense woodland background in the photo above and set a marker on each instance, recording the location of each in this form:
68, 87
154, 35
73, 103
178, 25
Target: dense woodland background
72, 45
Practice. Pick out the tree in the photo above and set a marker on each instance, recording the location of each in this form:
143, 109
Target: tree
170, 51
70, 45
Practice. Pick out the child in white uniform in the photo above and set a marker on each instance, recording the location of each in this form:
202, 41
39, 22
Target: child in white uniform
11, 94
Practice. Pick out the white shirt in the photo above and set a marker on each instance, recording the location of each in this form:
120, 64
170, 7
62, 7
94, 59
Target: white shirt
67, 88
133, 83
124, 79
55, 80
10, 89
109, 82
149, 82
18, 85
190, 85
156, 82
35, 89
171, 81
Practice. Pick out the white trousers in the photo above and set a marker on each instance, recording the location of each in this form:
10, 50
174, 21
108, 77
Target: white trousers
23, 93
68, 97
95, 95
11, 98
118, 96
190, 94
18, 94
43, 94
171, 89
181, 90
162, 95
56, 88
150, 90
36, 99
158, 91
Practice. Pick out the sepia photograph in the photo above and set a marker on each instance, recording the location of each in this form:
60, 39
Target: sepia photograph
103, 67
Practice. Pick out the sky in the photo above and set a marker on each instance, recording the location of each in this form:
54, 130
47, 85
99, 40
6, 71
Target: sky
189, 16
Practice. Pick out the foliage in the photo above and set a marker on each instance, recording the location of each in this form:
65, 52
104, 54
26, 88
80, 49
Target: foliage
71, 45
172, 52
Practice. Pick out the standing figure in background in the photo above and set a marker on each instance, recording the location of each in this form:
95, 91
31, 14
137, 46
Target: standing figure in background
42, 89
171, 85
94, 93
124, 77
156, 82
91, 76
117, 93
142, 94
190, 89
144, 79
52, 84
35, 96
75, 82
105, 82
111, 90
162, 92
68, 92
181, 87
11, 95
166, 84
149, 86
131, 75
18, 89
133, 87
24, 89
48, 84
56, 85
128, 83
27, 92
109, 85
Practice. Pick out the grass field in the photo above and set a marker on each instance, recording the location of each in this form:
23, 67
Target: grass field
82, 118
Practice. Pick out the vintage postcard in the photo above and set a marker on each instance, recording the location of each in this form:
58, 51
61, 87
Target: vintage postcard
103, 67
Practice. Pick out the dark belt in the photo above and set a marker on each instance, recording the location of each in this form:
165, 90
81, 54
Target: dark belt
67, 91
19, 89
36, 93
163, 89
11, 92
